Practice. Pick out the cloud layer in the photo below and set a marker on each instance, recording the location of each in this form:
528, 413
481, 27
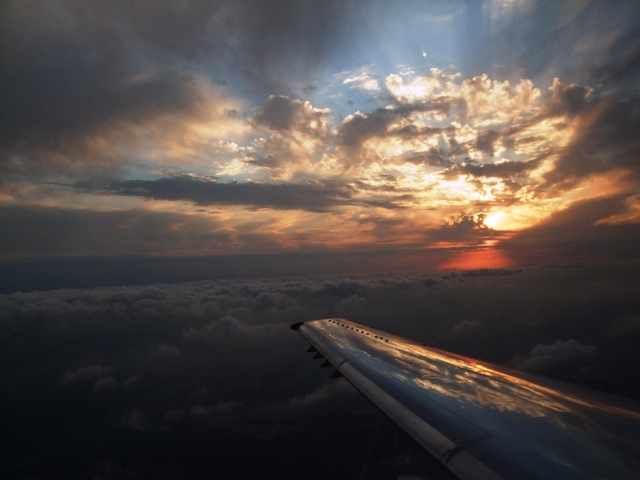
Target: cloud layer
205, 373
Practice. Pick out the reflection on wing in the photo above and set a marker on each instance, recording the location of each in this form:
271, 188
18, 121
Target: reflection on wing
481, 421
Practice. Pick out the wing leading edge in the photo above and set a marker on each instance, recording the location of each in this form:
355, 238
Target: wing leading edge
478, 420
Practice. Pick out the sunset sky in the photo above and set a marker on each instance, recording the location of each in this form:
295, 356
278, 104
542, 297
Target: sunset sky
180, 181
464, 134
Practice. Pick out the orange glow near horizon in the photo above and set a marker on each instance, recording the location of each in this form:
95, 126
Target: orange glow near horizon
475, 259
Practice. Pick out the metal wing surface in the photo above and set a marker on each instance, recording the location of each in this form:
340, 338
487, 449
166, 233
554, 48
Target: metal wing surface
481, 421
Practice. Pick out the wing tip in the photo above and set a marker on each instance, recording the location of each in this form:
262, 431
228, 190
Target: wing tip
296, 326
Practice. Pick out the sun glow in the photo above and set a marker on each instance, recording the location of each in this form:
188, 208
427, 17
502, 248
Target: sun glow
475, 259
494, 219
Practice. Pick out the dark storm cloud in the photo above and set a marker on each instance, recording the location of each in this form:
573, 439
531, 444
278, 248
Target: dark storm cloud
314, 196
211, 369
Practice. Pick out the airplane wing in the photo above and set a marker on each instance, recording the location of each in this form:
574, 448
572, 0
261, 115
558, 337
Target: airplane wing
481, 421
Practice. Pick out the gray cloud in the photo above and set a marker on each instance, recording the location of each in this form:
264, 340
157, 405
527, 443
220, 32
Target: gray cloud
560, 359
83, 374
501, 170
105, 384
464, 227
579, 233
314, 196
279, 37
485, 141
550, 39
73, 74
281, 113
605, 140
567, 99
298, 134
354, 307
53, 231
465, 327
361, 127
248, 378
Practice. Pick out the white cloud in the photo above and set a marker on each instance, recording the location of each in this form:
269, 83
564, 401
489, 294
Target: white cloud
361, 79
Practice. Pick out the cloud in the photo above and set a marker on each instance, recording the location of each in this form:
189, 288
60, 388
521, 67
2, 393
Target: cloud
325, 393
604, 140
53, 231
620, 67
83, 374
625, 326
464, 227
579, 231
112, 90
560, 359
567, 99
314, 196
229, 330
282, 114
136, 420
505, 170
360, 127
253, 374
105, 384
166, 353
353, 307
361, 80
465, 327
201, 412
131, 382
298, 136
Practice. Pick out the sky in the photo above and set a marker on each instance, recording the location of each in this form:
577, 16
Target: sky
464, 134
180, 181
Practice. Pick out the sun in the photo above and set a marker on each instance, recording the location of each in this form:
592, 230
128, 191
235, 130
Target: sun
494, 219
